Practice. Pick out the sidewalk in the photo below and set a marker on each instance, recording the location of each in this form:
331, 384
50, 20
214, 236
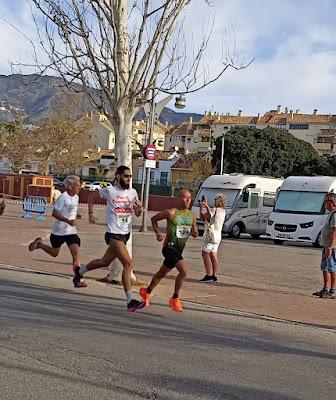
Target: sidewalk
256, 277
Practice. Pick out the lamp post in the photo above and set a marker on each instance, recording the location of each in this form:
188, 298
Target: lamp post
222, 156
153, 111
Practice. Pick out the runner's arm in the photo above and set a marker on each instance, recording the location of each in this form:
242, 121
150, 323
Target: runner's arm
137, 207
91, 201
61, 218
166, 214
194, 230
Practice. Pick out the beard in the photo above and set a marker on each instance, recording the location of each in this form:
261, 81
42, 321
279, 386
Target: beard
123, 184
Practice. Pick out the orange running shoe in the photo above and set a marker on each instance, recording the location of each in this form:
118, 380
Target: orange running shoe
175, 304
145, 296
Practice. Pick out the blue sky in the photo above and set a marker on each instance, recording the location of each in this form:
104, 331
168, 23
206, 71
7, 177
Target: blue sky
293, 43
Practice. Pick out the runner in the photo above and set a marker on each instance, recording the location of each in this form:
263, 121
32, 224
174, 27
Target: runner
64, 229
180, 223
120, 202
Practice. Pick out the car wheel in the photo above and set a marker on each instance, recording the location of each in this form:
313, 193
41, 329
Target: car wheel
317, 242
278, 241
236, 230
255, 236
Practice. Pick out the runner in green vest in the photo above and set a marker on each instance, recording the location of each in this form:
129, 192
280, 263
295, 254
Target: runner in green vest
181, 222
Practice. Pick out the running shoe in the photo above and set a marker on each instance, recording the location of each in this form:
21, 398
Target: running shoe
33, 245
145, 296
134, 305
206, 278
175, 304
214, 278
77, 279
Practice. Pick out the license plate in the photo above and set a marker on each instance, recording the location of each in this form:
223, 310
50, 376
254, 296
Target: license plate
285, 236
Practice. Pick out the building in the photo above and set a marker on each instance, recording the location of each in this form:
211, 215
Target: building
103, 135
190, 170
317, 129
161, 175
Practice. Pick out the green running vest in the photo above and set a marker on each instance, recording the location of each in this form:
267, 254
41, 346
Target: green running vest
179, 229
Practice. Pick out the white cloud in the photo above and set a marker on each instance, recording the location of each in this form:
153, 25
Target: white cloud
293, 43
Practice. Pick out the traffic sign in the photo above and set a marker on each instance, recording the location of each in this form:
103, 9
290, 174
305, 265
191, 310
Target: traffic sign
150, 152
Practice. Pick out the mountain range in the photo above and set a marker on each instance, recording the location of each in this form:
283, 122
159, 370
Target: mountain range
33, 96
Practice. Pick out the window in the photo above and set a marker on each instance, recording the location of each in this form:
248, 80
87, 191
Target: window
164, 178
268, 200
281, 126
254, 200
299, 126
210, 194
300, 202
152, 177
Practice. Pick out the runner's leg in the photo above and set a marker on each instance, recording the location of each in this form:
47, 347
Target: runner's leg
74, 250
181, 266
162, 272
48, 249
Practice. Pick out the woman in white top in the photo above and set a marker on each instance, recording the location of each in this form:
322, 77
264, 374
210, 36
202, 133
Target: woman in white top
214, 220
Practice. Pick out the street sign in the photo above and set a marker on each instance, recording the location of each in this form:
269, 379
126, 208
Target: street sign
150, 163
150, 152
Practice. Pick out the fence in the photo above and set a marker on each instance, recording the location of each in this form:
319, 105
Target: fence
34, 204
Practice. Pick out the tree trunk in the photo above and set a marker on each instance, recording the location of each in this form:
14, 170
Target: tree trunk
123, 152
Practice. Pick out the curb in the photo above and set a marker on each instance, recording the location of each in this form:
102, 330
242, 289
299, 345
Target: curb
229, 311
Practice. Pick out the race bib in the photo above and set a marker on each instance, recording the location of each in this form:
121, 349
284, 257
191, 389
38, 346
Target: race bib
124, 220
182, 231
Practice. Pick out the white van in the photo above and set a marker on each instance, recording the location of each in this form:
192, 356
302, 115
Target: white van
250, 201
299, 212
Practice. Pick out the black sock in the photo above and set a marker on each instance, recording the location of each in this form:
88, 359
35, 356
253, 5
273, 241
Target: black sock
175, 296
149, 290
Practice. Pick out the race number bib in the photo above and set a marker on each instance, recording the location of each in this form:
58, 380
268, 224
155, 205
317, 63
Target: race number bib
182, 231
124, 220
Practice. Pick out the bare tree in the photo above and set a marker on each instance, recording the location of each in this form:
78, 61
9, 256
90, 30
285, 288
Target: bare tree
127, 51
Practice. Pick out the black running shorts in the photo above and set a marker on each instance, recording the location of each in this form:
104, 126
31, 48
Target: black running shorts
172, 255
116, 236
57, 241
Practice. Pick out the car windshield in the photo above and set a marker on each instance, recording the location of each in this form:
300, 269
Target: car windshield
210, 194
300, 202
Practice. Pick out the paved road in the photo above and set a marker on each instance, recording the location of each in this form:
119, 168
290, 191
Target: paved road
58, 343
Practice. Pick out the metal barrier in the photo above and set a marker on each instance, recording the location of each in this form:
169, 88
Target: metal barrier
34, 204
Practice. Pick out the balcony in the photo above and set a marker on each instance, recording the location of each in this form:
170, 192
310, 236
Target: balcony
322, 146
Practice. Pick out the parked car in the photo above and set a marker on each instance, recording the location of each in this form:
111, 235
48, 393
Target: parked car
96, 185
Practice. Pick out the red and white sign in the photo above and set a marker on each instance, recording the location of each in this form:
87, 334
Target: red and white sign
150, 152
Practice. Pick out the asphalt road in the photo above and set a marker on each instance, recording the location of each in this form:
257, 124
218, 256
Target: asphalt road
58, 343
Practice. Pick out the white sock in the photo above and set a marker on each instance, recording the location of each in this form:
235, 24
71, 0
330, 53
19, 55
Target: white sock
82, 270
129, 296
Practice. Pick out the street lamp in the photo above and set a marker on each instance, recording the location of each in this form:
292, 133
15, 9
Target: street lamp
153, 111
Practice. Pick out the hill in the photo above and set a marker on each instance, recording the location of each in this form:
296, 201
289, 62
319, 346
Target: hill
34, 95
